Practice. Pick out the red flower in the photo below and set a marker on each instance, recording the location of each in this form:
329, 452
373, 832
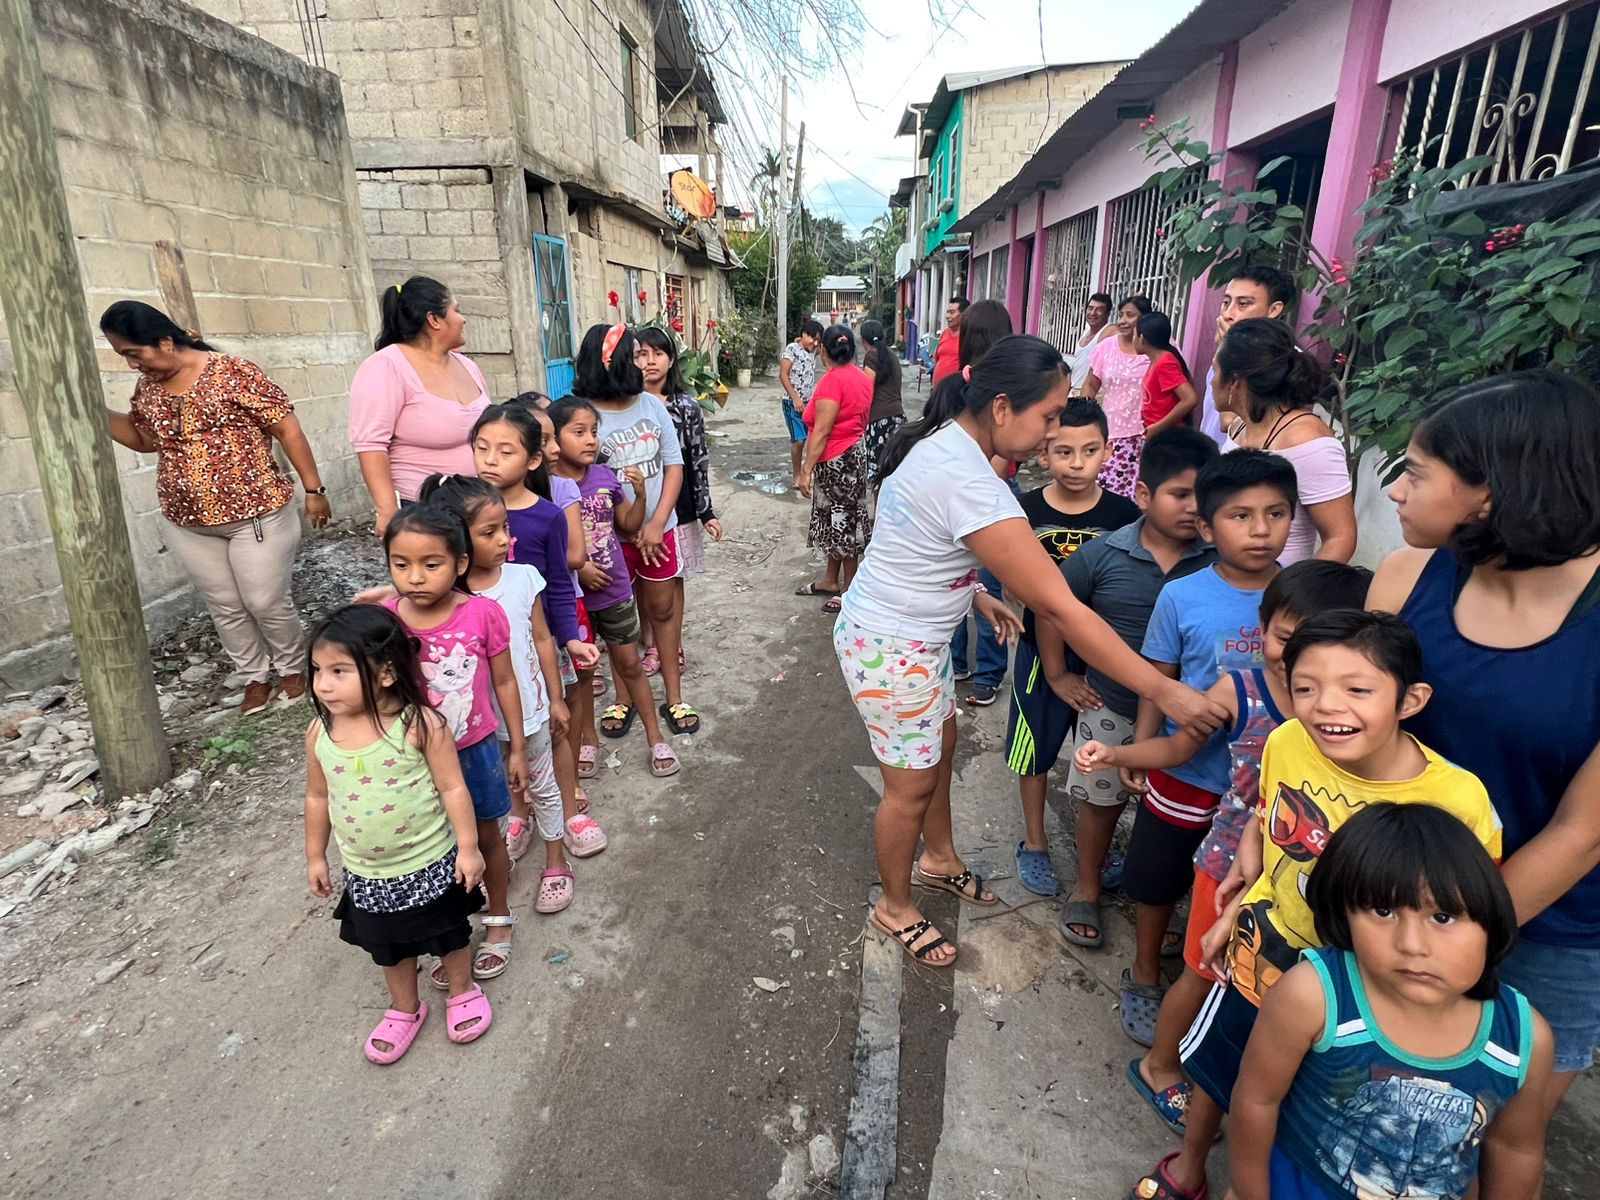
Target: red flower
710, 324
643, 295
1489, 247
677, 325
613, 298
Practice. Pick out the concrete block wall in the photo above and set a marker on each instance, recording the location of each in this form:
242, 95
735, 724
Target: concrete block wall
570, 106
1006, 122
409, 68
441, 221
603, 244
175, 128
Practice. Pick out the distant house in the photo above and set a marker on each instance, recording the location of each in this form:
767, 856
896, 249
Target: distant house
845, 295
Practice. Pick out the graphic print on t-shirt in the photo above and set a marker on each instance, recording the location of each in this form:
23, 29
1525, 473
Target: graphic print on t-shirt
449, 677
1402, 1134
636, 445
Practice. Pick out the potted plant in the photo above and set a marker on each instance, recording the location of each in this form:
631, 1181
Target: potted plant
737, 333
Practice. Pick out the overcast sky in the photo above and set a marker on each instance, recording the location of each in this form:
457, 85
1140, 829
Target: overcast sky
853, 159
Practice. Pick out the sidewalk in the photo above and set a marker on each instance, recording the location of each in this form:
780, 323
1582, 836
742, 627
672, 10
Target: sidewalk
1036, 1104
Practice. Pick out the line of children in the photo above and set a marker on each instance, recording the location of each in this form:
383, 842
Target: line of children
1257, 698
607, 511
636, 432
657, 356
1066, 514
1203, 625
509, 449
1353, 678
1119, 577
517, 588
465, 644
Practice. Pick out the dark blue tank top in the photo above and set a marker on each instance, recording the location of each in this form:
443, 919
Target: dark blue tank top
1522, 720
1365, 1118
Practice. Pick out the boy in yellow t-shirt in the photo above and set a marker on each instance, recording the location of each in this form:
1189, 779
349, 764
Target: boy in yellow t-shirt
1353, 678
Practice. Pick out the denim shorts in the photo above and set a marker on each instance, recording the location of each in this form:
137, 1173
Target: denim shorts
1560, 981
485, 774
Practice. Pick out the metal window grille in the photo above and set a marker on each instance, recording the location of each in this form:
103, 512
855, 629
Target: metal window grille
999, 268
1528, 101
980, 278
1137, 260
1068, 276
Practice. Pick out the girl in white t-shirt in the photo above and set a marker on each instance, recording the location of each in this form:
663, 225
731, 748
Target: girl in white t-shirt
942, 513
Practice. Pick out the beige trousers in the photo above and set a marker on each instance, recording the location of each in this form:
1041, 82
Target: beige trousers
243, 571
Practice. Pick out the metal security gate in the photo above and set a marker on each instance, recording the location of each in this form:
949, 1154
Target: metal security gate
1137, 261
1068, 274
553, 284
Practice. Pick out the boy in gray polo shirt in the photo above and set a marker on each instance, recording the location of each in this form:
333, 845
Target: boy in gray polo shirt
1119, 576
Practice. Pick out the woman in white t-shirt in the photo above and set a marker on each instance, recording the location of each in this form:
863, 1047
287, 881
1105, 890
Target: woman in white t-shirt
1265, 389
942, 513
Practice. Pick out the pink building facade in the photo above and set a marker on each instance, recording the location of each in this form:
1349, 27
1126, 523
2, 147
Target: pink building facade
1334, 85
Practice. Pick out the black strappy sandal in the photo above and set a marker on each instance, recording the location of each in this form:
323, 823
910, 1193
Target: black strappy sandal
956, 885
910, 934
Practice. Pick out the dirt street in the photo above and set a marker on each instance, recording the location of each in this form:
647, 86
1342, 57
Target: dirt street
180, 1019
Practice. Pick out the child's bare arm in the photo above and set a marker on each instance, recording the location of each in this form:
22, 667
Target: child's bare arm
1157, 754
509, 697
439, 748
1291, 1020
544, 649
1512, 1163
577, 544
318, 825
628, 515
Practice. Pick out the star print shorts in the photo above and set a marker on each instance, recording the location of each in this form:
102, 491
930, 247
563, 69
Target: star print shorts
904, 691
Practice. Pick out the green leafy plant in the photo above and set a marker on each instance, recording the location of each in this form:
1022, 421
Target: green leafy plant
227, 749
1212, 225
1430, 299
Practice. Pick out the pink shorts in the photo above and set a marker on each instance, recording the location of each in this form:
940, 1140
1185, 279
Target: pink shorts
666, 567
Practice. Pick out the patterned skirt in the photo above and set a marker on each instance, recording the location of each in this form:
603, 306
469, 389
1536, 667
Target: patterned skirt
877, 437
393, 920
840, 523
1121, 470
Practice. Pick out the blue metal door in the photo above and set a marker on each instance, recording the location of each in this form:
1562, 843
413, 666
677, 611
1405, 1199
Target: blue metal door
554, 286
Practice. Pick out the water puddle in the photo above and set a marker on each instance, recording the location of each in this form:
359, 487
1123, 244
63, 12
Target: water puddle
773, 483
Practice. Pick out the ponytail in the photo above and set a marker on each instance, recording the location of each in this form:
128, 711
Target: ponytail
1023, 368
404, 309
1156, 329
145, 325
1261, 353
839, 345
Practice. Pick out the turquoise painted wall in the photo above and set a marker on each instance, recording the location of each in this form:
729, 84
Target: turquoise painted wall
944, 176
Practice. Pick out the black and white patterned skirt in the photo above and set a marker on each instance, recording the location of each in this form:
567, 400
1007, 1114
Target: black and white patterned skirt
424, 912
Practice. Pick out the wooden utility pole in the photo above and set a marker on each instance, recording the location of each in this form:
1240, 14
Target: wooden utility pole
780, 219
59, 383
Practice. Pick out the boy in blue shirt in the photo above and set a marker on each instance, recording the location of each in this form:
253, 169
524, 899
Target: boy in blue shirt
1204, 624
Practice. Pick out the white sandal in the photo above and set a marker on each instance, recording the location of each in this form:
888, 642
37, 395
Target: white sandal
500, 950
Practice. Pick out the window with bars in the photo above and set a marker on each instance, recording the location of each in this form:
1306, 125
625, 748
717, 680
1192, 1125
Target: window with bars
1137, 260
632, 285
999, 268
1527, 101
1068, 279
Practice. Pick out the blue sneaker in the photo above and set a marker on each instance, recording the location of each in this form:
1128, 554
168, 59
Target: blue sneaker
1111, 872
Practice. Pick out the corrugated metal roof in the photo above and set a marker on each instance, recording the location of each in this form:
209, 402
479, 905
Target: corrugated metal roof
1193, 41
842, 283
